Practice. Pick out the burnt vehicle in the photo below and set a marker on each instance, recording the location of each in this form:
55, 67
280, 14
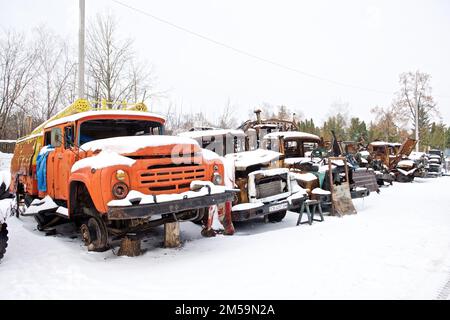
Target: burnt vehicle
255, 130
360, 173
421, 163
435, 163
266, 189
391, 162
306, 156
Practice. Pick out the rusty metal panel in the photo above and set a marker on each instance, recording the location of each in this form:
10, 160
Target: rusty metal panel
404, 151
407, 147
366, 179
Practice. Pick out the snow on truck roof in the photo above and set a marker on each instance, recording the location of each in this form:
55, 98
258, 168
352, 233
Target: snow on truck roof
291, 134
384, 143
208, 133
85, 114
130, 144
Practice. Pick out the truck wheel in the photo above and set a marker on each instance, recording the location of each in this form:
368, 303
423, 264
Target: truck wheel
3, 239
277, 216
94, 234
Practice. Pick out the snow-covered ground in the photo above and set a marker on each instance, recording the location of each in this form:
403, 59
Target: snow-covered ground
396, 247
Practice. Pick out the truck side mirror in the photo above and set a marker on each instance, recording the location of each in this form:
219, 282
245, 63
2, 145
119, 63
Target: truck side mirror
56, 137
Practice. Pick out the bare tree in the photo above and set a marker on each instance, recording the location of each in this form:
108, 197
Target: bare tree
414, 100
56, 67
17, 60
113, 70
227, 118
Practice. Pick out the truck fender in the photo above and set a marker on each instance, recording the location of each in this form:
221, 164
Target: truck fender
79, 180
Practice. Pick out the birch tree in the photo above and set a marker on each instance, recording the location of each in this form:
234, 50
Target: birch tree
415, 102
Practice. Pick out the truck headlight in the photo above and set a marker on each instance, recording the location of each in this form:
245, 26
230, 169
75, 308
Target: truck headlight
217, 179
120, 175
120, 190
216, 168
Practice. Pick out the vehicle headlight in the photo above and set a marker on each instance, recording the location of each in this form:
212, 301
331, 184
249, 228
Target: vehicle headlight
217, 179
120, 175
216, 167
120, 190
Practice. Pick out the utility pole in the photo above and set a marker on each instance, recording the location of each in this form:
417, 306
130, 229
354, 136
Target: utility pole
81, 52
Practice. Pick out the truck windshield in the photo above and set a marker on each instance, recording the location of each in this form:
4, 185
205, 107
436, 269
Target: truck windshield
109, 128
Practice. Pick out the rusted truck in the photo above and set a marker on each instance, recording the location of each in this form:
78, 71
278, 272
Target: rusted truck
266, 189
256, 129
390, 160
306, 155
114, 173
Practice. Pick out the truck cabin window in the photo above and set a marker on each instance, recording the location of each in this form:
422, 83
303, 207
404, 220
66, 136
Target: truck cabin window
109, 128
56, 137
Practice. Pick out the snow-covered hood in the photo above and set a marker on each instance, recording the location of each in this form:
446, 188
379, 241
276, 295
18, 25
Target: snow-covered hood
406, 164
243, 160
118, 150
136, 145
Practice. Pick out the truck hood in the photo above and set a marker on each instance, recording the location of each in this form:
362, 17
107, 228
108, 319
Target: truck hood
140, 145
243, 160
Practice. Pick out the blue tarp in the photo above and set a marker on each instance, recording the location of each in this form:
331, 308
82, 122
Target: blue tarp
41, 167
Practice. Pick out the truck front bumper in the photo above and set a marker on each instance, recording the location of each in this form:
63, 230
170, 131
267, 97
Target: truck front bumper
267, 208
144, 211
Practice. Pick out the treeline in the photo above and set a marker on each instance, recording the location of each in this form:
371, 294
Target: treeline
38, 73
38, 77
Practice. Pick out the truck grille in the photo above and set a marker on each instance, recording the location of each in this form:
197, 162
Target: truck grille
270, 186
172, 178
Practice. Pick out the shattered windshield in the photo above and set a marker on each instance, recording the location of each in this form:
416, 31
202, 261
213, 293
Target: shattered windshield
109, 128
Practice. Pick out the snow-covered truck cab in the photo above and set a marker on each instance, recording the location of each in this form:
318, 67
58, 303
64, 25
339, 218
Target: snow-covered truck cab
297, 149
114, 173
265, 187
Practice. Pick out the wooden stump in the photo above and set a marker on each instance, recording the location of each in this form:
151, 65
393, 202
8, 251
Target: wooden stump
129, 247
172, 235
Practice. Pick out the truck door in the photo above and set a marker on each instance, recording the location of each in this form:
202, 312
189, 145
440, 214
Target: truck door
64, 160
52, 172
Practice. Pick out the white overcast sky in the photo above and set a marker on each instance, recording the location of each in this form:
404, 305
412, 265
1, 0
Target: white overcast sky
365, 43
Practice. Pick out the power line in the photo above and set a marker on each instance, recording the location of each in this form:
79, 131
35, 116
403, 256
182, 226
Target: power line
249, 54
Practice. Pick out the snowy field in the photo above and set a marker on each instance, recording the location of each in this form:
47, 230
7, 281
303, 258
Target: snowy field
396, 247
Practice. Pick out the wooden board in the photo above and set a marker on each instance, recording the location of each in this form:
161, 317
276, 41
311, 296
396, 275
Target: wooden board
366, 179
341, 198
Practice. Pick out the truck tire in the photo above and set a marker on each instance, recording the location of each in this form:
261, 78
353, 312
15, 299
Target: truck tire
277, 216
3, 239
94, 234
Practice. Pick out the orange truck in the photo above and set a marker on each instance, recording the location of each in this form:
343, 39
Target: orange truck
115, 174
